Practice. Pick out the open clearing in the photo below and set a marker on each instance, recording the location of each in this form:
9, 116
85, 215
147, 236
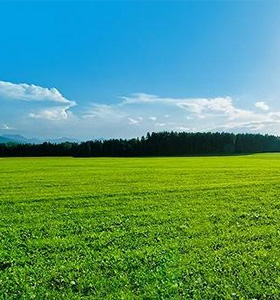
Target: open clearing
145, 228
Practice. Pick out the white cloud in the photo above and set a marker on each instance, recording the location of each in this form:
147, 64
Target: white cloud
34, 93
53, 114
247, 126
139, 98
262, 105
31, 92
6, 127
182, 128
136, 121
189, 114
153, 118
132, 115
102, 111
201, 107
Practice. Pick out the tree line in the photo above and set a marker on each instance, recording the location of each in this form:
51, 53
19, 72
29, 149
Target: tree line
153, 144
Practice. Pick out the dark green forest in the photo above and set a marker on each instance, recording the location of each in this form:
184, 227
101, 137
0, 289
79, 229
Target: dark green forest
153, 144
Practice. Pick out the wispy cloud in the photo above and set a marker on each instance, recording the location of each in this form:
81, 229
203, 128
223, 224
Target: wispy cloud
132, 121
6, 127
153, 118
133, 115
191, 114
201, 107
101, 111
182, 128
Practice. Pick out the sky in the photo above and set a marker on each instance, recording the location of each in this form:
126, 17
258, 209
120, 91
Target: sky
101, 69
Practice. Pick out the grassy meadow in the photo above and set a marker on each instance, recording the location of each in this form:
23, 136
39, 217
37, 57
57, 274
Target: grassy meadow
140, 228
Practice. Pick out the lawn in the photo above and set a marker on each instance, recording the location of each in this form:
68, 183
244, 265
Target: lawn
140, 228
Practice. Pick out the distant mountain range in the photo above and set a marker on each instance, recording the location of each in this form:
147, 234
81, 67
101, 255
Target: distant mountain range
19, 139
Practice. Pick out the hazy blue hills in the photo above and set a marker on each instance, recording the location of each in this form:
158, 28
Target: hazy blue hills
19, 139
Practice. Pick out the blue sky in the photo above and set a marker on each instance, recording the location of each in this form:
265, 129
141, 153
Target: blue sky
122, 68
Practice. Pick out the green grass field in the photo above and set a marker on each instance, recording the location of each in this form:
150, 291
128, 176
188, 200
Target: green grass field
140, 228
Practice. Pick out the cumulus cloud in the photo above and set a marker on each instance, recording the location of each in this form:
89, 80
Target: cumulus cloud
31, 92
35, 93
262, 105
53, 114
